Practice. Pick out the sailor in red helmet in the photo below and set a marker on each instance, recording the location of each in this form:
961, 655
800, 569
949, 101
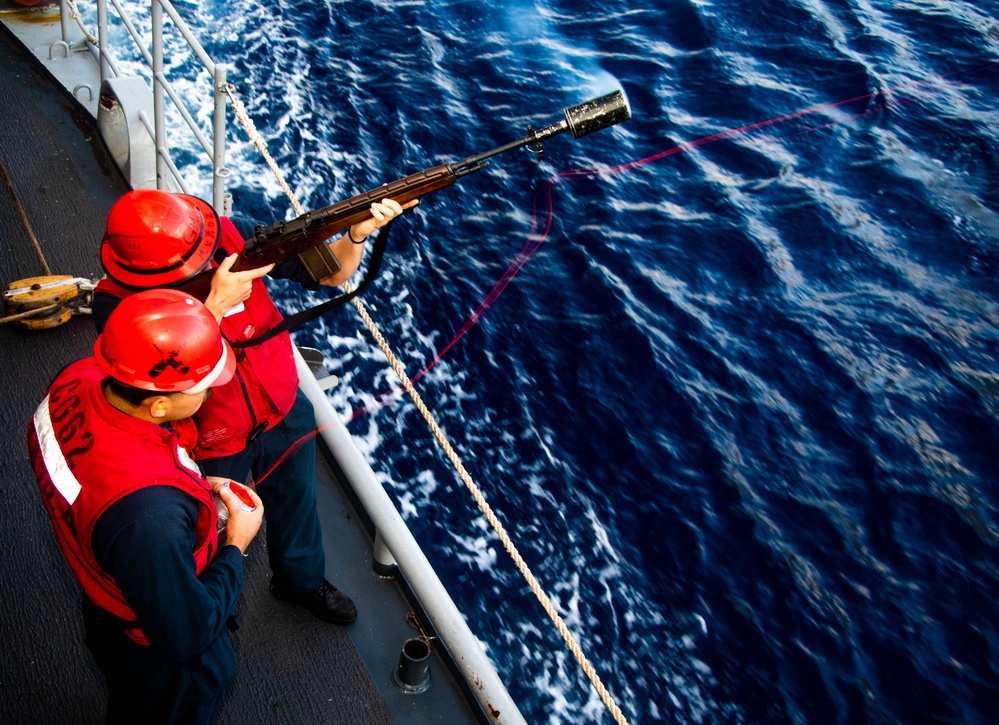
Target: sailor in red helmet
133, 514
159, 239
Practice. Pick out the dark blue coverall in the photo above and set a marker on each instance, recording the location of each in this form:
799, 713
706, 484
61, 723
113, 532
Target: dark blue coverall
145, 541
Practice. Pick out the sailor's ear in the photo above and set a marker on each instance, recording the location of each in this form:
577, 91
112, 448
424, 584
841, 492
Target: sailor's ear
158, 406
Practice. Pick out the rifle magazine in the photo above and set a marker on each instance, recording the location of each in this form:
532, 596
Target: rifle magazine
320, 261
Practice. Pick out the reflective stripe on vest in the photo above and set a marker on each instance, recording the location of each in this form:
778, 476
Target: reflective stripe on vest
55, 462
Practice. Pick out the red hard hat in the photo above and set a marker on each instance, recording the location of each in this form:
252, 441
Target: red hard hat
166, 341
156, 239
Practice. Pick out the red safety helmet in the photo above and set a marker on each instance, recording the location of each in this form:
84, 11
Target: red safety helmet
157, 239
165, 341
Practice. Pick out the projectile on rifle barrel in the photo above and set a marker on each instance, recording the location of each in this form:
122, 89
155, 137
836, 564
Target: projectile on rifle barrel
593, 115
582, 120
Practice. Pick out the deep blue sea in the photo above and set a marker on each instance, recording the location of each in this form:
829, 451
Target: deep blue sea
733, 383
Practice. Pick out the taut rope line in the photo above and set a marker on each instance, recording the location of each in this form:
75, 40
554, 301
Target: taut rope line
439, 434
38, 249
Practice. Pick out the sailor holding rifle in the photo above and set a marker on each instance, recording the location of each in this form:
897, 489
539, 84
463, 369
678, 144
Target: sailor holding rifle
255, 425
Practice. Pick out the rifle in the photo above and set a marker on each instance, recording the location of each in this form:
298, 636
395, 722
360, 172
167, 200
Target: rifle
306, 235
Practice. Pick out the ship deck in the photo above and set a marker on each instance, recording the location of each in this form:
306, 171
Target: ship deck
292, 668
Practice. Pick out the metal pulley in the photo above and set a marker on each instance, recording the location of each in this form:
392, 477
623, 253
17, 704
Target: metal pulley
44, 302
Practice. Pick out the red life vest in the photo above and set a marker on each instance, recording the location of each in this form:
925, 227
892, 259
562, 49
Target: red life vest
263, 389
87, 455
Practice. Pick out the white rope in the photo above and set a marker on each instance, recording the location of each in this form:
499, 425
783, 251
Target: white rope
508, 544
251, 131
439, 434
75, 14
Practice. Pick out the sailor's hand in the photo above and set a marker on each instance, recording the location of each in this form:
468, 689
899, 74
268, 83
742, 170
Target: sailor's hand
231, 288
243, 524
349, 249
382, 212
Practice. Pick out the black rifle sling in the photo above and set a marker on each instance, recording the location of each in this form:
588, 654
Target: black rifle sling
300, 318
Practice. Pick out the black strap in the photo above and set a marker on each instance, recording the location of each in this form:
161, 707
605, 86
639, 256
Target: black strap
300, 318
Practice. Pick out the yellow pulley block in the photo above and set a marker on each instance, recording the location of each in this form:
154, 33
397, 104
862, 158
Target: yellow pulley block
55, 297
45, 318
35, 292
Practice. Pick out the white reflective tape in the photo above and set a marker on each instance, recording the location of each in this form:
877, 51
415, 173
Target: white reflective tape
185, 458
55, 462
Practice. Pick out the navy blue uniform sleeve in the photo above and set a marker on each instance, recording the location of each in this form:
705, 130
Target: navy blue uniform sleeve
245, 226
145, 541
102, 306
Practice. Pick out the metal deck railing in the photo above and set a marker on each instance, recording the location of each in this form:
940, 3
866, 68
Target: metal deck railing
152, 53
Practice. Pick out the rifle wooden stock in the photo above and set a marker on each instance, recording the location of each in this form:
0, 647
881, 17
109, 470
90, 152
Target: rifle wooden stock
281, 240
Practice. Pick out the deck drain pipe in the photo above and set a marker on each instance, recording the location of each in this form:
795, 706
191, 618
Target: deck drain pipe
412, 675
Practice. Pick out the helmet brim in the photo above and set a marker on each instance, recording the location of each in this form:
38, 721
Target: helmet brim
164, 341
196, 260
221, 374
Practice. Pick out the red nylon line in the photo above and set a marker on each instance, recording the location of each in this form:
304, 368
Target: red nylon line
288, 451
535, 239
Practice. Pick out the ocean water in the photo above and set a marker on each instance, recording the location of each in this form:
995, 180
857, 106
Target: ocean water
727, 372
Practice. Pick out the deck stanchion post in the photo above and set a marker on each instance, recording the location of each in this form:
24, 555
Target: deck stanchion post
218, 140
383, 563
